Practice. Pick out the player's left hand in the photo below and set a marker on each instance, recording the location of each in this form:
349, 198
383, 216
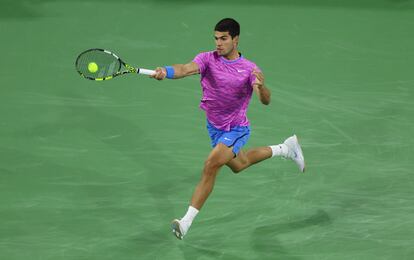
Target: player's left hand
259, 78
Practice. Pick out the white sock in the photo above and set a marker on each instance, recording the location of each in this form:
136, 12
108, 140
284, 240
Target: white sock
279, 150
188, 218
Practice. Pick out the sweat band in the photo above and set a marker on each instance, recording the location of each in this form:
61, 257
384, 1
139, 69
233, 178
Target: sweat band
170, 72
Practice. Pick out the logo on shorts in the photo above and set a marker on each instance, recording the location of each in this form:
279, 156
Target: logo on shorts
227, 139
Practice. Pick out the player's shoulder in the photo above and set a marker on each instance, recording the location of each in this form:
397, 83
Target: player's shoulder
207, 55
249, 63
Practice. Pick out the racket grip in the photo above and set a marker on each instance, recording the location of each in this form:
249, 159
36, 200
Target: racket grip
146, 72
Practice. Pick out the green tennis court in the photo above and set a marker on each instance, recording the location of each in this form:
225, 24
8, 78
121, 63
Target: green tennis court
97, 170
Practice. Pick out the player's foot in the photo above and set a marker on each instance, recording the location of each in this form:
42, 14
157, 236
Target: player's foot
295, 152
177, 229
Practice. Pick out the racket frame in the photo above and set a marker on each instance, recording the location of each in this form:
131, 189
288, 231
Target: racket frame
129, 68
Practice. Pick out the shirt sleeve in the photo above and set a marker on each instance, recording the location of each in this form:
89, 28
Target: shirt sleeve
252, 77
202, 60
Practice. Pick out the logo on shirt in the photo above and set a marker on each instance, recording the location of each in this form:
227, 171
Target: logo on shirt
240, 71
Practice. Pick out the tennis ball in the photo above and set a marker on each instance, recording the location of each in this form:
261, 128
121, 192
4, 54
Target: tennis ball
92, 67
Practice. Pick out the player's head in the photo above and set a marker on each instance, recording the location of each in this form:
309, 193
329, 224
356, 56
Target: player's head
226, 34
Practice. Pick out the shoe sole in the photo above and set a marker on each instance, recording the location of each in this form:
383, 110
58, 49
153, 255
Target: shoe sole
300, 150
175, 225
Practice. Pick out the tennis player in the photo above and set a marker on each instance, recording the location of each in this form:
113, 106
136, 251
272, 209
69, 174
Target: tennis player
228, 80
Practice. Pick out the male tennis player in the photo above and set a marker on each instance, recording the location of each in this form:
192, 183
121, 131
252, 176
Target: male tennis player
228, 80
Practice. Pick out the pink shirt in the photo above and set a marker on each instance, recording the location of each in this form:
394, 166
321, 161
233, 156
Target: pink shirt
227, 88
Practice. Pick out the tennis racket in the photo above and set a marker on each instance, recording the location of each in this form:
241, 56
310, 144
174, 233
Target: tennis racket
100, 64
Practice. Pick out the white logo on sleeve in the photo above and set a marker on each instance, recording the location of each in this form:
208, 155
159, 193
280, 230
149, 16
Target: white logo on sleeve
240, 71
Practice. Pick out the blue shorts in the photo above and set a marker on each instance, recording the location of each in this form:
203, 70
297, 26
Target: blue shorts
237, 137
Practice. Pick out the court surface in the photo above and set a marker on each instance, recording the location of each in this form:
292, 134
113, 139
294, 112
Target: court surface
97, 170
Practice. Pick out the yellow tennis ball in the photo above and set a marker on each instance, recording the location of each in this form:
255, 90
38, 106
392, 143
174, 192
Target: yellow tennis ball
92, 67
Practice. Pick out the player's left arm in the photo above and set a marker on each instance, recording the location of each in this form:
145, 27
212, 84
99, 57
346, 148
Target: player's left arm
259, 87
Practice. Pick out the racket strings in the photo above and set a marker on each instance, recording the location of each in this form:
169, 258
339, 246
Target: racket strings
97, 64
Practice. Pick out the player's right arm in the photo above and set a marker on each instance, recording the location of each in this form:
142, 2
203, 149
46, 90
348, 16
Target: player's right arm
180, 71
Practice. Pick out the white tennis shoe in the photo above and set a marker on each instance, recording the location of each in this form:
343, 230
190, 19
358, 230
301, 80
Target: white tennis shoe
177, 230
295, 152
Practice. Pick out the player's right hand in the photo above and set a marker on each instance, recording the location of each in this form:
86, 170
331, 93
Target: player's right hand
160, 73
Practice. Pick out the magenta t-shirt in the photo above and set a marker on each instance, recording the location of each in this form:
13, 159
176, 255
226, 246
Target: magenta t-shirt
227, 88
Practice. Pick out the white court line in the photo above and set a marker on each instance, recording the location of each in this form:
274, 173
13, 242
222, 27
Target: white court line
348, 137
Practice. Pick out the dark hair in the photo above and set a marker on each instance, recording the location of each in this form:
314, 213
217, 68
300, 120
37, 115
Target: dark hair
228, 25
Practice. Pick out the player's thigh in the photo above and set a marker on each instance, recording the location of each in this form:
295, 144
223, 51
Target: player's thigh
220, 155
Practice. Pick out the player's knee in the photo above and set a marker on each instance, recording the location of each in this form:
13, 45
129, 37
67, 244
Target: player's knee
210, 164
236, 170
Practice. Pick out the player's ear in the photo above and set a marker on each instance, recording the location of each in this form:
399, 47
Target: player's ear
236, 40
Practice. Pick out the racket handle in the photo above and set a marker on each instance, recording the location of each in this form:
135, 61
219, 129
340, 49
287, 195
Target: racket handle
146, 72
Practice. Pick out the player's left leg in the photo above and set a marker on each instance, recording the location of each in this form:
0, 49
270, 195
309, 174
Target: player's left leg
289, 149
247, 158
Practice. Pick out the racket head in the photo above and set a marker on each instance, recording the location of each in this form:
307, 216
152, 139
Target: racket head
98, 64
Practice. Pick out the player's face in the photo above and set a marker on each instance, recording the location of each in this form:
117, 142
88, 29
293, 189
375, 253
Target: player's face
224, 43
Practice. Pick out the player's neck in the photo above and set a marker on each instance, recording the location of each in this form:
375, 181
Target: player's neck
232, 55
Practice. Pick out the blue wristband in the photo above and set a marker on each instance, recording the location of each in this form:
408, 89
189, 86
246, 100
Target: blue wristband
170, 72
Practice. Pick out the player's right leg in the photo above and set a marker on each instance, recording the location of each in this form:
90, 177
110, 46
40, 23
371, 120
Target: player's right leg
218, 157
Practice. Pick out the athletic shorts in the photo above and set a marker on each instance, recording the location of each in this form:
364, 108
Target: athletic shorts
237, 137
